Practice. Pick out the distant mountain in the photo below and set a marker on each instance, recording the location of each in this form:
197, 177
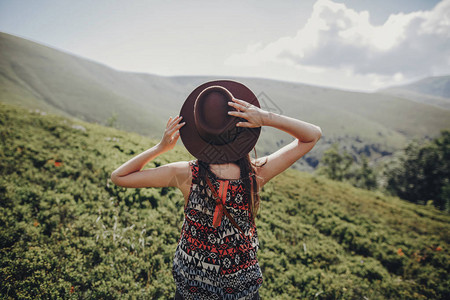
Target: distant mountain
375, 124
435, 86
38, 76
431, 90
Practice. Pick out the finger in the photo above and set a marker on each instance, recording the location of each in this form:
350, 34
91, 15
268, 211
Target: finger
176, 136
172, 130
237, 106
244, 124
168, 122
241, 102
237, 114
175, 122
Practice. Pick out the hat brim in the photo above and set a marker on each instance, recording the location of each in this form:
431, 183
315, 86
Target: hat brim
218, 154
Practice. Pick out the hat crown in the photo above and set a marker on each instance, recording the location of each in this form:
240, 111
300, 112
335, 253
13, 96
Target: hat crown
210, 133
212, 121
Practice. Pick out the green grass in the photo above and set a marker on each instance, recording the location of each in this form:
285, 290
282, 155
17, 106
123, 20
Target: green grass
67, 232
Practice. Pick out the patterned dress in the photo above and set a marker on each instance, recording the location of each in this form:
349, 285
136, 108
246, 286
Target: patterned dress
216, 263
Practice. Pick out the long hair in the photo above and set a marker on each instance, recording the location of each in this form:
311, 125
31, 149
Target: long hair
248, 176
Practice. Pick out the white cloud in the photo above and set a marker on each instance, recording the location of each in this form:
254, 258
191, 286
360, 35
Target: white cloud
339, 38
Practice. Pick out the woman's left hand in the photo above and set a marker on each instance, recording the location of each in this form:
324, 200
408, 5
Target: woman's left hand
254, 115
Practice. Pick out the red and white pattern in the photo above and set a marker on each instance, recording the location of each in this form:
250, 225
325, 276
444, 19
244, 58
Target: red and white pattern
217, 263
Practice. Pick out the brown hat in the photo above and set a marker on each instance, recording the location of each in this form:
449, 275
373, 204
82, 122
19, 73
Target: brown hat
210, 133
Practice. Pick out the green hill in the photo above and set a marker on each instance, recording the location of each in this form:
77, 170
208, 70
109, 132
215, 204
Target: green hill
436, 86
67, 232
37, 76
430, 90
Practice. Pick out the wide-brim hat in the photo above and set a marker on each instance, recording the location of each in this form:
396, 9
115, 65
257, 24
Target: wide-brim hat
210, 133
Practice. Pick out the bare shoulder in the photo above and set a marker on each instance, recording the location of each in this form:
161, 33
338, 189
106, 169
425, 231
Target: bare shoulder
181, 171
178, 166
182, 177
174, 174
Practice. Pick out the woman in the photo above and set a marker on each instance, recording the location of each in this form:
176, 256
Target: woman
219, 124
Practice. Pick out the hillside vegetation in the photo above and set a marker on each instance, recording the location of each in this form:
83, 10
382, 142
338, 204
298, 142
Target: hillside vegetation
67, 232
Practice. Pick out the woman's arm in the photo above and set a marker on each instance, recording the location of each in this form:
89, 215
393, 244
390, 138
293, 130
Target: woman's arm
306, 136
174, 174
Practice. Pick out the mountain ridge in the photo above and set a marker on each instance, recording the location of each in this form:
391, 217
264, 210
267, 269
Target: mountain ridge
36, 77
434, 90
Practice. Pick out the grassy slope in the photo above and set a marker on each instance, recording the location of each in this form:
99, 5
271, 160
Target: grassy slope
38, 76
431, 90
66, 230
437, 86
418, 97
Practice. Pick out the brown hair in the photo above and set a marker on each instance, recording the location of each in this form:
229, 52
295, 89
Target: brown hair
248, 176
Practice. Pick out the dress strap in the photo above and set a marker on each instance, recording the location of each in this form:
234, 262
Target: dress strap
194, 171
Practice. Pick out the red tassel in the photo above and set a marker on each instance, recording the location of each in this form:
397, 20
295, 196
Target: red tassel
220, 202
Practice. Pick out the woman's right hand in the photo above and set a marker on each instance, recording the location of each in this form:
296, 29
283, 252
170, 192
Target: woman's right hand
171, 134
255, 116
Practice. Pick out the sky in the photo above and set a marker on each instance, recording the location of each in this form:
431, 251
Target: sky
360, 45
